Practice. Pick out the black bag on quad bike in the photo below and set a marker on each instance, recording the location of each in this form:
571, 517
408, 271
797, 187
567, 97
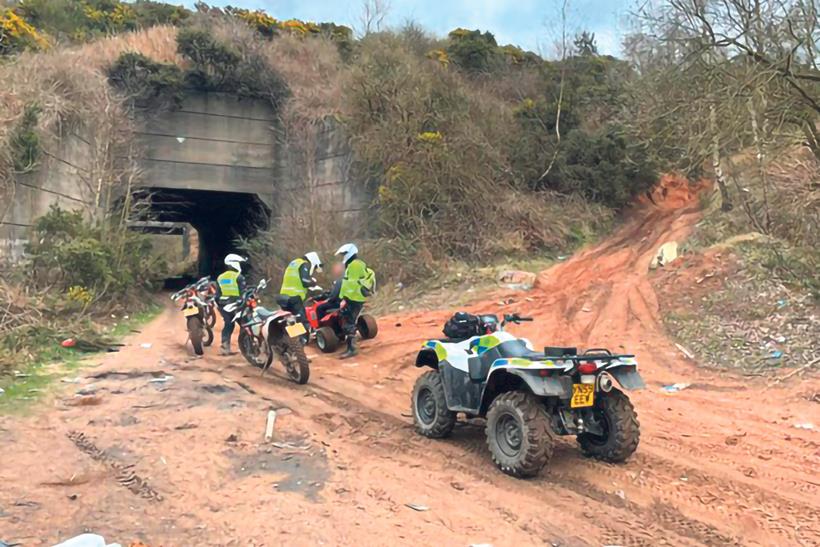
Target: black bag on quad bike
462, 325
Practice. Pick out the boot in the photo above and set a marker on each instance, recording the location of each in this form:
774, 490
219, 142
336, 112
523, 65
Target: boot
351, 348
225, 349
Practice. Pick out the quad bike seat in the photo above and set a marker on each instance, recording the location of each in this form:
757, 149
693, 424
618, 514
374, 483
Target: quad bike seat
263, 313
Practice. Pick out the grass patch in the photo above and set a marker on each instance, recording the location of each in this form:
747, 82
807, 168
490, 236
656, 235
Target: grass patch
23, 387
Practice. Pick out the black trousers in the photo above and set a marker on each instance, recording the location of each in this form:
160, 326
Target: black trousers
296, 306
321, 309
227, 326
350, 313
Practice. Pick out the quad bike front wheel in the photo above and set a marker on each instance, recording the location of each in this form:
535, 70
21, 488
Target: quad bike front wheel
367, 326
518, 434
431, 416
621, 430
296, 363
326, 340
194, 324
255, 350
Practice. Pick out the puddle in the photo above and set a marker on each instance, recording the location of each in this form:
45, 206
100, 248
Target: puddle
302, 471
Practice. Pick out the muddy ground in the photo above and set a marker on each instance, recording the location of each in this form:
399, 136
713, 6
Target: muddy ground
170, 450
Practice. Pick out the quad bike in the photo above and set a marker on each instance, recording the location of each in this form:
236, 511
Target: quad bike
328, 330
197, 311
527, 396
264, 334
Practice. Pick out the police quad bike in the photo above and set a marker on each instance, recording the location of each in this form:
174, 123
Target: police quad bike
196, 310
527, 396
264, 334
328, 330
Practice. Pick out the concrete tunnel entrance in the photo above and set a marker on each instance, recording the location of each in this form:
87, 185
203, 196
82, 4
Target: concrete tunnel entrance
220, 218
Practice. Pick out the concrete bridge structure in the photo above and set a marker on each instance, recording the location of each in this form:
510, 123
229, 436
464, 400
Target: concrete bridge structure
218, 163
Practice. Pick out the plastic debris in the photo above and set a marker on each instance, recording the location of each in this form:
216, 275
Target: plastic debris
667, 253
161, 379
5, 544
805, 425
782, 303
688, 354
2, 391
269, 425
68, 343
87, 540
146, 345
777, 354
417, 507
674, 388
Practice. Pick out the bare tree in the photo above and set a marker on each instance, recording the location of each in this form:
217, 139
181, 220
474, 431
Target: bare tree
719, 77
372, 16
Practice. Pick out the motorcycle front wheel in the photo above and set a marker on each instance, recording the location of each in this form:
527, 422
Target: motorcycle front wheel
255, 350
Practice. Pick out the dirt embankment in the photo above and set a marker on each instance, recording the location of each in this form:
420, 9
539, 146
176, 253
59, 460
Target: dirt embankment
720, 463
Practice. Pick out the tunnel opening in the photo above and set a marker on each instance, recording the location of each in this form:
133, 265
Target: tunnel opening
219, 219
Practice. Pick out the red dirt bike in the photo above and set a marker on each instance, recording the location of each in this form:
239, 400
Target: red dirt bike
198, 313
265, 334
328, 330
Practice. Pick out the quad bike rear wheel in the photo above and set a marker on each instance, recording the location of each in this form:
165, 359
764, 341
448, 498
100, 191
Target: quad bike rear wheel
367, 326
255, 350
617, 417
194, 324
296, 363
518, 434
431, 416
326, 339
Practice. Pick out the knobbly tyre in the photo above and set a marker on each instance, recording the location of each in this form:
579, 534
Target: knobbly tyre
196, 311
263, 334
527, 396
328, 330
207, 291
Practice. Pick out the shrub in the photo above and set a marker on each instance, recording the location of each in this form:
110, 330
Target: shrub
66, 251
25, 142
17, 35
218, 66
147, 83
473, 51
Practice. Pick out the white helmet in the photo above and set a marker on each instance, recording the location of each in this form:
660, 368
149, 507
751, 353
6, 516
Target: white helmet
349, 250
315, 261
235, 261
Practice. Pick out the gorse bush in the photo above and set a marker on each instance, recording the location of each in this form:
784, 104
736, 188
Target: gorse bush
147, 83
17, 35
67, 251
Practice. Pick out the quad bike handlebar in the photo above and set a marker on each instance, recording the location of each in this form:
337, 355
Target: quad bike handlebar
515, 318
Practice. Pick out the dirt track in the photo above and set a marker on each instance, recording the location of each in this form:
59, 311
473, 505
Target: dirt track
720, 463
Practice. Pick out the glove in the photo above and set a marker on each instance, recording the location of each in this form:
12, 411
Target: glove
316, 288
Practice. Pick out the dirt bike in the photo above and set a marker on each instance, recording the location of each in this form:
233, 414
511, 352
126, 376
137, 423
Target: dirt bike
196, 311
264, 334
527, 396
206, 290
328, 330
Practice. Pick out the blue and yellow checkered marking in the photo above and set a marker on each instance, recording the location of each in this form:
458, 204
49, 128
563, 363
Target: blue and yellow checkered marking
519, 362
484, 343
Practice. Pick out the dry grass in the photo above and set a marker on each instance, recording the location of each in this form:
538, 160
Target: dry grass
159, 43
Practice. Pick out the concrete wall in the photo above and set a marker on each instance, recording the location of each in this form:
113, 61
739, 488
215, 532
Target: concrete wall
213, 142
61, 178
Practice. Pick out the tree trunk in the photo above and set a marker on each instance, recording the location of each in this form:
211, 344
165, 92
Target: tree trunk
720, 177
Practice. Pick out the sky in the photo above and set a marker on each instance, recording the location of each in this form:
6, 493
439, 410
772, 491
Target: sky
534, 25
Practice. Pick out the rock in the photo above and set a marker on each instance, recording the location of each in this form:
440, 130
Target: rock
517, 280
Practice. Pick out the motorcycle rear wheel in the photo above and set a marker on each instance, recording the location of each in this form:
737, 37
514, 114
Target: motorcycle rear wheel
194, 325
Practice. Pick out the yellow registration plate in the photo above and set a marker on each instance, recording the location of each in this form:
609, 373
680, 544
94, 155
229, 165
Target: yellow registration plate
187, 312
297, 329
582, 395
